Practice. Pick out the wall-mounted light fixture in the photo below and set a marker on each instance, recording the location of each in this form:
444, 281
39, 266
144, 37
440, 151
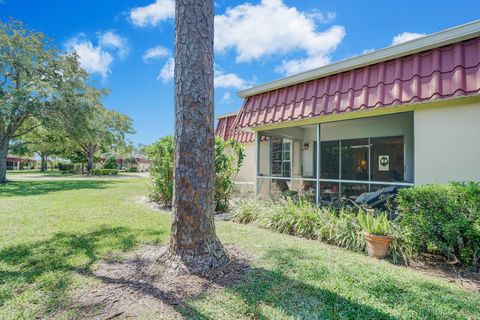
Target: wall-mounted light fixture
305, 146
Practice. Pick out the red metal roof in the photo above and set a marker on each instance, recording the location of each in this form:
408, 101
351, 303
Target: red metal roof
17, 159
225, 130
440, 73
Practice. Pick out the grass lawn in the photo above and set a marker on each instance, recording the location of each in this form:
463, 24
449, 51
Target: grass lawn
51, 232
33, 171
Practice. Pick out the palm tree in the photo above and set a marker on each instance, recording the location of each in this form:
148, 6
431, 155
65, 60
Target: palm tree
193, 242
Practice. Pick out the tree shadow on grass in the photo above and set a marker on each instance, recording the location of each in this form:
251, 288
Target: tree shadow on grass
255, 288
260, 291
65, 251
32, 188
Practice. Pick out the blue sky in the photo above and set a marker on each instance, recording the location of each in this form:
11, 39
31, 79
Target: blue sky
127, 45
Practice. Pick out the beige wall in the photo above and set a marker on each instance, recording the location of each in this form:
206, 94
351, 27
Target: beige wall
447, 144
247, 170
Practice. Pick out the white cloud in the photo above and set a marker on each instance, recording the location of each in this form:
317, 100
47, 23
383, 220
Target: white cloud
153, 14
271, 27
167, 73
321, 17
406, 36
226, 96
111, 40
221, 79
157, 52
230, 81
92, 58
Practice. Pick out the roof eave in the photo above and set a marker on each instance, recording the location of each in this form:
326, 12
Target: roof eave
434, 40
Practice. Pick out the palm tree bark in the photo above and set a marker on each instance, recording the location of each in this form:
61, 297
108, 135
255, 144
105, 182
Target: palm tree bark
193, 240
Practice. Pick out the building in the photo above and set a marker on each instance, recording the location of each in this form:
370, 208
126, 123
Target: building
140, 163
403, 115
17, 163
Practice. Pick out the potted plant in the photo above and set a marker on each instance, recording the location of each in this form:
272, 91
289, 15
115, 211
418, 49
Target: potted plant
377, 228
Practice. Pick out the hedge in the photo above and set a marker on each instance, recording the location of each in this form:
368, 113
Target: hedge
104, 172
66, 167
443, 219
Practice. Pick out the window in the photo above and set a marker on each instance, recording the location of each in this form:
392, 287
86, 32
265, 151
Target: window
387, 159
365, 159
329, 160
355, 159
281, 157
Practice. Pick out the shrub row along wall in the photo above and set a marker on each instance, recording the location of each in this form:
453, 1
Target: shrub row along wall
439, 219
305, 220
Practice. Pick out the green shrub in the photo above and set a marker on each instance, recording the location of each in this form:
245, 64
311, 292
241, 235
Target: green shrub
375, 224
161, 170
132, 169
228, 159
104, 172
110, 163
443, 219
66, 167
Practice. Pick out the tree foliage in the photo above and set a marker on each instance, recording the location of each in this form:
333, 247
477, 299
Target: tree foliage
37, 81
101, 129
110, 163
229, 156
161, 170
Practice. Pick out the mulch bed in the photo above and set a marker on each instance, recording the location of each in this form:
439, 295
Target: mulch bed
466, 277
142, 285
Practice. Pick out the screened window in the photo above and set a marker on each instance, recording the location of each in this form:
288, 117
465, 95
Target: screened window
387, 159
329, 160
355, 159
374, 159
281, 157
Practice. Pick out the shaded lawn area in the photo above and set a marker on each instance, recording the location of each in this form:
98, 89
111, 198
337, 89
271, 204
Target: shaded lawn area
50, 240
32, 188
34, 171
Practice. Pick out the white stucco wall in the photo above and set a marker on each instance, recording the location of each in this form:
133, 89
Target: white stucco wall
447, 144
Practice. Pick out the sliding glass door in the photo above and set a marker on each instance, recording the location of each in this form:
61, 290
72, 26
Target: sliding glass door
344, 164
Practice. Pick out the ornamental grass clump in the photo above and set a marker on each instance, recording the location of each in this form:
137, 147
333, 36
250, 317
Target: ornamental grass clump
341, 229
249, 210
299, 218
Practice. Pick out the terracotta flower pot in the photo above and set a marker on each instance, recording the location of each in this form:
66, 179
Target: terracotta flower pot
377, 246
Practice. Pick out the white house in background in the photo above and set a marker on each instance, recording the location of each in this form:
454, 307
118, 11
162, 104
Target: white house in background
19, 163
403, 115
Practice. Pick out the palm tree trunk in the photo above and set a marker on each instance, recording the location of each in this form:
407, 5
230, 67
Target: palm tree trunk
193, 240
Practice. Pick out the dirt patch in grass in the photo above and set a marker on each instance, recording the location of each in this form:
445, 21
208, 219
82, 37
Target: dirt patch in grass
466, 277
141, 286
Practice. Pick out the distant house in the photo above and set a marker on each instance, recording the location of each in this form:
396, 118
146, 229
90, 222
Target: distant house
19, 163
142, 164
404, 115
